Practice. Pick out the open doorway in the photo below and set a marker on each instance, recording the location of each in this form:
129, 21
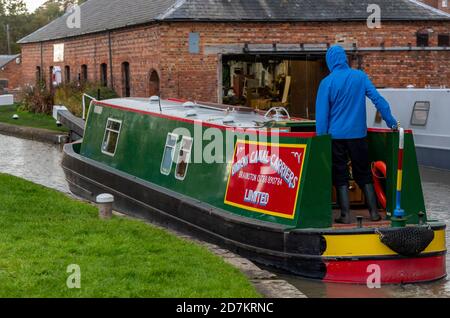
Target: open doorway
126, 85
263, 81
154, 89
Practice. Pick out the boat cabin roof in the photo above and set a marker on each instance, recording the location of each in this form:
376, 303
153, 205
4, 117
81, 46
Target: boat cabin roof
216, 114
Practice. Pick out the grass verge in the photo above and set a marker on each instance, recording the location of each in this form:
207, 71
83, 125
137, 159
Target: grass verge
28, 119
44, 231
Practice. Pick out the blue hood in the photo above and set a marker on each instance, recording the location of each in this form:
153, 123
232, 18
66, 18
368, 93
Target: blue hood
336, 58
341, 100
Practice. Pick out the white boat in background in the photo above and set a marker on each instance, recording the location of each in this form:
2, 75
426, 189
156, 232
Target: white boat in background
6, 100
427, 113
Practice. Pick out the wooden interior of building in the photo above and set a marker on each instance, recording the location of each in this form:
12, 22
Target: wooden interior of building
265, 81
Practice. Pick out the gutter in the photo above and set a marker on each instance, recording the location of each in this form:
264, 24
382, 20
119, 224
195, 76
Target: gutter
303, 48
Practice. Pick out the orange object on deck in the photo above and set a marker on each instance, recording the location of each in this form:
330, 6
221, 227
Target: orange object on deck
379, 168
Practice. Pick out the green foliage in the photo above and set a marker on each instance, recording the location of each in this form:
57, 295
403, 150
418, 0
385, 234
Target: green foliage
71, 94
37, 99
27, 119
44, 231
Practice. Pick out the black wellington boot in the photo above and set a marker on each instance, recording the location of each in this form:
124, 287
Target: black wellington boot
371, 199
344, 202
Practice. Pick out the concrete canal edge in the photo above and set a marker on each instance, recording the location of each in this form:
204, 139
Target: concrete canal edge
266, 283
31, 133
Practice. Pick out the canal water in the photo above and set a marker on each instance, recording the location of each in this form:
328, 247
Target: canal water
40, 163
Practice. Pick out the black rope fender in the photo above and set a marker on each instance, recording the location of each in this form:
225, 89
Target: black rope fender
407, 241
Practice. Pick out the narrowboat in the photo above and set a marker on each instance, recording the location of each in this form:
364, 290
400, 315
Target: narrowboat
259, 184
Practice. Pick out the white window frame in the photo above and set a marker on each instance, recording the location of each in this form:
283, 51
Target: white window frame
445, 3
174, 147
188, 151
415, 108
107, 130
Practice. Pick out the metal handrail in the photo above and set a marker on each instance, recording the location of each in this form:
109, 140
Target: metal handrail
84, 103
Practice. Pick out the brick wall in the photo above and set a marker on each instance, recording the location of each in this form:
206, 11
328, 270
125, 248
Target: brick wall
438, 4
394, 69
12, 72
137, 46
164, 48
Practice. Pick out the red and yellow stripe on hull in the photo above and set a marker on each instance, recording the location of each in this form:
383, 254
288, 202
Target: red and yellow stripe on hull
393, 271
349, 258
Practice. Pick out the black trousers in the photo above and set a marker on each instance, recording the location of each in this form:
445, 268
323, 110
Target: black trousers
356, 150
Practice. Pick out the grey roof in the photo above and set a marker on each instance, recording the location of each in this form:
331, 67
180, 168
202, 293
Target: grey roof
304, 10
101, 15
5, 59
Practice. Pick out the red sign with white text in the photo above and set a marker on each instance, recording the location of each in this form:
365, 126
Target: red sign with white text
265, 177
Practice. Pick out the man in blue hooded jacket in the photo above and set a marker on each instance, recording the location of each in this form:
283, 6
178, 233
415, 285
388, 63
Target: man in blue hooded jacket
341, 112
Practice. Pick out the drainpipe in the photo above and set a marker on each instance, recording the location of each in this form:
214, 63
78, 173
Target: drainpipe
42, 62
220, 79
110, 60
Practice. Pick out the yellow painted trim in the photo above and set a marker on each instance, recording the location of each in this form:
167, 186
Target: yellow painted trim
399, 180
370, 245
281, 215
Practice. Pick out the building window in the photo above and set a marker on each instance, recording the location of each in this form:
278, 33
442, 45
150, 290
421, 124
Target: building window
184, 157
67, 73
420, 113
104, 74
445, 3
3, 85
444, 40
126, 86
169, 151
51, 78
111, 138
38, 74
154, 89
422, 39
84, 73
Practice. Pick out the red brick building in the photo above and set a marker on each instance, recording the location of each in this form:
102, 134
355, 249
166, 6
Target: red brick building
202, 50
10, 73
443, 5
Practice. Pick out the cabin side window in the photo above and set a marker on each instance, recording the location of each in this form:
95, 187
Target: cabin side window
111, 138
420, 114
169, 151
184, 157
